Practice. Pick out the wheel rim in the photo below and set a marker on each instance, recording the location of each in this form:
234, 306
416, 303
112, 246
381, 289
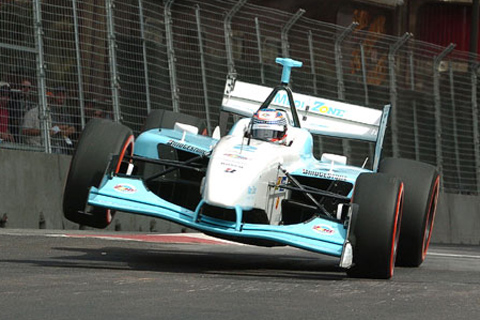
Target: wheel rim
127, 148
396, 228
430, 218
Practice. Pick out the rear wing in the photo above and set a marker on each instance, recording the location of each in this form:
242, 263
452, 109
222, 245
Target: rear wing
318, 115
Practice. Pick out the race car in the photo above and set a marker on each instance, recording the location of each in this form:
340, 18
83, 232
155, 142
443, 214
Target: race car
260, 184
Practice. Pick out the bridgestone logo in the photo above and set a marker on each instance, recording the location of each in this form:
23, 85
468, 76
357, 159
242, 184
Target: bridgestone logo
324, 175
186, 147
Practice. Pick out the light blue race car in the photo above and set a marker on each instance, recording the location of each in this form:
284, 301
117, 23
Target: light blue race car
260, 184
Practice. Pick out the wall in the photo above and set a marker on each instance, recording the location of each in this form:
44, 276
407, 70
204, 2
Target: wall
31, 197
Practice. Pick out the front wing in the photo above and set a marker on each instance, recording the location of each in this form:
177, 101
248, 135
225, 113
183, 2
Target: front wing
130, 194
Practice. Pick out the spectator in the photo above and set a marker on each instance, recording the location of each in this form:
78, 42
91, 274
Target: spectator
19, 104
32, 127
91, 109
4, 99
62, 124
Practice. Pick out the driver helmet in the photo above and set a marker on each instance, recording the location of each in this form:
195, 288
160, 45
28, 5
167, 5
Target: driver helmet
269, 125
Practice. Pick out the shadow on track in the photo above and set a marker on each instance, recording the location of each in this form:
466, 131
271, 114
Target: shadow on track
212, 260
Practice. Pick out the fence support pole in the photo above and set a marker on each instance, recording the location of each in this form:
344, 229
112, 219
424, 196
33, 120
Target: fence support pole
171, 54
44, 110
286, 28
476, 134
312, 61
393, 91
227, 28
144, 52
202, 65
259, 48
338, 59
347, 150
81, 94
455, 130
438, 107
414, 106
364, 74
112, 51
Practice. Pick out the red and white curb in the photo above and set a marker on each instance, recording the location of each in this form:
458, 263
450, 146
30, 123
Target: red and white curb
182, 238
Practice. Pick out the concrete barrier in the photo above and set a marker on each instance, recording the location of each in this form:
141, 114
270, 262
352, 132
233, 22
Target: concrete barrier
31, 186
31, 197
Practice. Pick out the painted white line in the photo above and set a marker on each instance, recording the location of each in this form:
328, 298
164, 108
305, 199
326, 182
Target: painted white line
453, 255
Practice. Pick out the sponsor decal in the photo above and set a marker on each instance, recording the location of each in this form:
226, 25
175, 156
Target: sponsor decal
186, 147
230, 170
280, 180
324, 229
325, 175
245, 147
231, 165
125, 188
252, 190
318, 106
277, 203
235, 156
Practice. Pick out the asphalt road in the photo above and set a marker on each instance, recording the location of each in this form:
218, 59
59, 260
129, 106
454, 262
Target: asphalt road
46, 275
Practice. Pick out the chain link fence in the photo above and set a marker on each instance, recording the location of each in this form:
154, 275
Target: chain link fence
67, 61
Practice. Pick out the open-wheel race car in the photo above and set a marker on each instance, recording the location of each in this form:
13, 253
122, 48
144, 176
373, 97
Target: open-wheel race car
260, 184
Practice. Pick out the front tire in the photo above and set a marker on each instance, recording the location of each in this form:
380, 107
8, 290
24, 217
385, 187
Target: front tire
422, 185
376, 226
99, 141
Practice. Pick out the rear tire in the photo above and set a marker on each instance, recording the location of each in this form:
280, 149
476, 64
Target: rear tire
98, 142
376, 226
422, 185
158, 119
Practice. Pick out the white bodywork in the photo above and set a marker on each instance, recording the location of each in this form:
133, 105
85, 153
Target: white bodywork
241, 172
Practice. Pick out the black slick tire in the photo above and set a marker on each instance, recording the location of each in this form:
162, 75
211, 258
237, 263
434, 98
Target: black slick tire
98, 142
376, 226
422, 185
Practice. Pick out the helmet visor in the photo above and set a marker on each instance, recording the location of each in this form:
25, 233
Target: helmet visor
268, 132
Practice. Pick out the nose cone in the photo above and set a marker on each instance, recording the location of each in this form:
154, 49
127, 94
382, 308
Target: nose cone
237, 172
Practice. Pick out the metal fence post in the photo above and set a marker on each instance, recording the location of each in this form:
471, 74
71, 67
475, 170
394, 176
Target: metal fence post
476, 134
112, 51
171, 54
312, 61
227, 28
44, 110
81, 96
347, 150
438, 107
414, 106
286, 28
338, 59
259, 48
144, 52
202, 65
364, 74
393, 91
454, 122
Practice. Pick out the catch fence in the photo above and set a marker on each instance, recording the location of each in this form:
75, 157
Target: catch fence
72, 60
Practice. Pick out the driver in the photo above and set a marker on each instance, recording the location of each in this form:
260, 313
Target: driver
269, 125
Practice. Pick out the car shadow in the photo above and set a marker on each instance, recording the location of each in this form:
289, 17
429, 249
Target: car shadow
202, 259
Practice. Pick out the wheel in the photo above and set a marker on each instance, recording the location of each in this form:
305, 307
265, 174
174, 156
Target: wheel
98, 142
166, 119
422, 185
376, 226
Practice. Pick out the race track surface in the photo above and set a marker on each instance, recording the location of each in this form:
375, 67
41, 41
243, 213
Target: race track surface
85, 275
